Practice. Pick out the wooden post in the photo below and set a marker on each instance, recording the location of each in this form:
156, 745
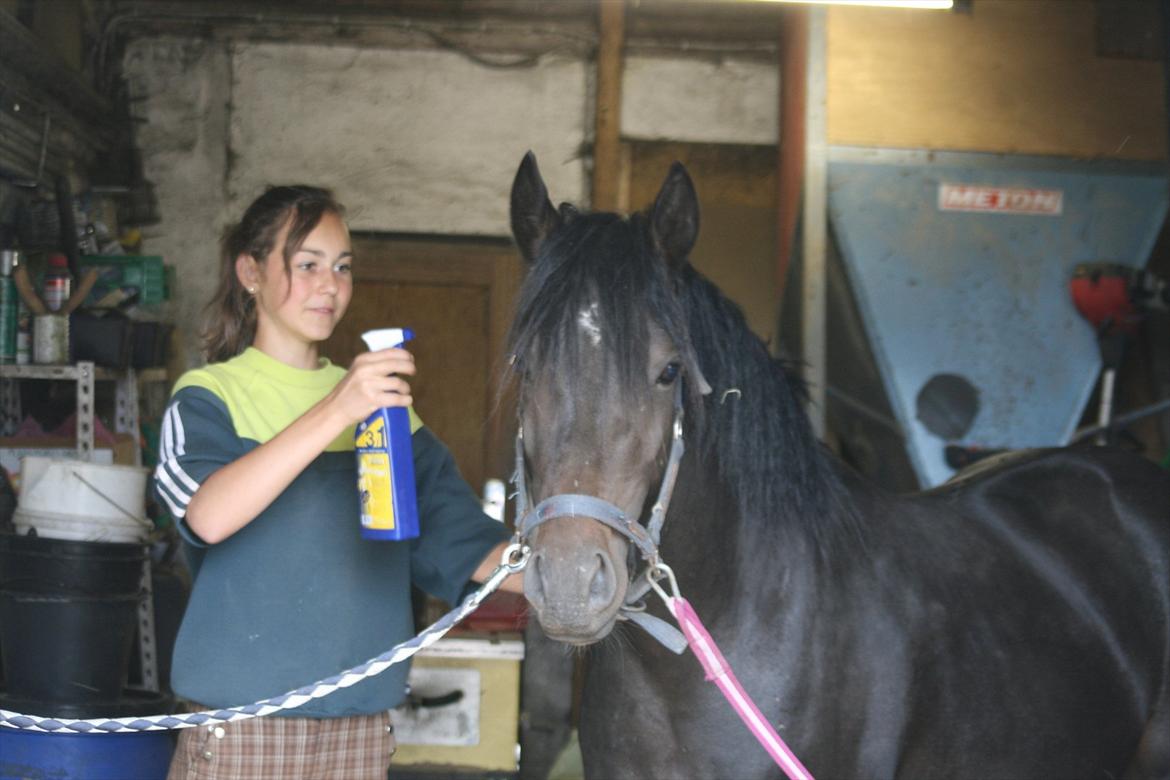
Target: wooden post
815, 222
607, 163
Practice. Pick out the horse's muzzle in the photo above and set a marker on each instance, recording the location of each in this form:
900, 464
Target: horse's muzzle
576, 580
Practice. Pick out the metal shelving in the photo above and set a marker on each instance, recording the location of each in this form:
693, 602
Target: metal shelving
85, 374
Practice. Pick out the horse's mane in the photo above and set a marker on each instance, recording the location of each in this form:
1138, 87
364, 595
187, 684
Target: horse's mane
752, 420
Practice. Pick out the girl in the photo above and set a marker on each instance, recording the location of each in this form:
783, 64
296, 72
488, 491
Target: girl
257, 468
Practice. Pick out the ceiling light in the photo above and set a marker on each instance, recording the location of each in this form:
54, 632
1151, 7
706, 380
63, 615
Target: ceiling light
941, 5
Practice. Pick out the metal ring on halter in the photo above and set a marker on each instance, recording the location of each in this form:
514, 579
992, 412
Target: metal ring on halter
658, 571
515, 557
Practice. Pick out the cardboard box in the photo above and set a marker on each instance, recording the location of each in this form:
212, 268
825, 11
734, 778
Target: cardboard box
464, 713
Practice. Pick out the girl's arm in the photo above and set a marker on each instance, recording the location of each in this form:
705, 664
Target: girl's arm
514, 583
235, 494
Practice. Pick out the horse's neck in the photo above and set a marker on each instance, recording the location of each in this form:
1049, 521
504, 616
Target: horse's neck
701, 538
720, 555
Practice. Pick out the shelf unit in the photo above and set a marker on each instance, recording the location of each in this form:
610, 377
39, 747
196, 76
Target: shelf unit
86, 374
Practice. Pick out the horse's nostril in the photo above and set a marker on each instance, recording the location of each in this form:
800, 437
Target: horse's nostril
602, 586
534, 582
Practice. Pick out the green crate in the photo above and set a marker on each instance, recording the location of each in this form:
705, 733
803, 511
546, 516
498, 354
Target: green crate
121, 275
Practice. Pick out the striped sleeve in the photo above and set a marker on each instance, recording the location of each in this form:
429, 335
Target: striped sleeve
196, 439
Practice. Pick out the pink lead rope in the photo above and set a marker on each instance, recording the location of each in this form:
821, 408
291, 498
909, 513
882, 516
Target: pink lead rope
720, 672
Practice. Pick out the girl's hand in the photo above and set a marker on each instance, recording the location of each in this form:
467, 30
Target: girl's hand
373, 381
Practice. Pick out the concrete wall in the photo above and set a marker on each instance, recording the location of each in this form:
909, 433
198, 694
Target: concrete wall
412, 141
700, 101
180, 92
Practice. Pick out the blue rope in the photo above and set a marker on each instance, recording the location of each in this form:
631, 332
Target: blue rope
291, 699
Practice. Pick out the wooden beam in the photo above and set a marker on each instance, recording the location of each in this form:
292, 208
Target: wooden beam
793, 86
607, 163
815, 225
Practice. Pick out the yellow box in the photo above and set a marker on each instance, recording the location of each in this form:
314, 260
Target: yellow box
464, 709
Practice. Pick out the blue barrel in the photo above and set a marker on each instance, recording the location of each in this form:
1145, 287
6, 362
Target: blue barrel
33, 754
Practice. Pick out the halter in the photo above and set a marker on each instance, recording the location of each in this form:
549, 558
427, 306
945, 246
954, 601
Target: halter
645, 539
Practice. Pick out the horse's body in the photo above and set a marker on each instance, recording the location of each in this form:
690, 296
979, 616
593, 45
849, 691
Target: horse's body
1015, 624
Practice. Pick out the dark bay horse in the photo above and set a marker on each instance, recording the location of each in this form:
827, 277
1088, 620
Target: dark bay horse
1010, 625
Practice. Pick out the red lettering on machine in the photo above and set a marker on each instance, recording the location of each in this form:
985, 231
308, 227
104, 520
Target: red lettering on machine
1001, 200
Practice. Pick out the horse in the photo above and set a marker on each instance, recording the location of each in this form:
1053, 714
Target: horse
1013, 624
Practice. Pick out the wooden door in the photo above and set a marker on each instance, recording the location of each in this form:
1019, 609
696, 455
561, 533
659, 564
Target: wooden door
457, 297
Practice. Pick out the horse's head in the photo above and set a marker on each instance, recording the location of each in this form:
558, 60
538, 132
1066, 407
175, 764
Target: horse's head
599, 348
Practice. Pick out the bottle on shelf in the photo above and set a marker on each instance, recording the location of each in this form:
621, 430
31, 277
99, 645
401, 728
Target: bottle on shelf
58, 282
23, 335
9, 306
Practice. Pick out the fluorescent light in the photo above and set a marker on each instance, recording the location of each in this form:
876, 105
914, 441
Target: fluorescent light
940, 5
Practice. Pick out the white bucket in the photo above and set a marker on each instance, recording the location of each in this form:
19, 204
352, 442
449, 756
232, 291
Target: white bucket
81, 528
76, 487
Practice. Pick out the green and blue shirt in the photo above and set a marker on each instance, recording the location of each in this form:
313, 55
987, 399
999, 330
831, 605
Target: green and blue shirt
297, 595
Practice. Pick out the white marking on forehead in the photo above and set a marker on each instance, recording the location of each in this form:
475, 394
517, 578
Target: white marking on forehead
587, 319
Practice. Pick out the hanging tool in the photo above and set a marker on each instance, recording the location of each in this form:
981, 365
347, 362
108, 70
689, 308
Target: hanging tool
1114, 299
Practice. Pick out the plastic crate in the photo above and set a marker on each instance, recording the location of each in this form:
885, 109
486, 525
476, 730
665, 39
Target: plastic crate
119, 276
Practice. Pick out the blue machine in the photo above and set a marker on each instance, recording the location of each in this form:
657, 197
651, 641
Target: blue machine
950, 319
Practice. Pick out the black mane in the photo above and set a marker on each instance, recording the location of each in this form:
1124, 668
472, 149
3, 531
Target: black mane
752, 420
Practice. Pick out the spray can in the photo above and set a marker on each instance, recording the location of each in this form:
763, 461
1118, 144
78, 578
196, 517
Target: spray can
385, 461
57, 282
9, 306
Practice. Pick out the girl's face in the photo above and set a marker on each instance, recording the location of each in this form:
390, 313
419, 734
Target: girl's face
297, 310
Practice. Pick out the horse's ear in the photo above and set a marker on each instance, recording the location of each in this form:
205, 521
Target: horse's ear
533, 215
674, 220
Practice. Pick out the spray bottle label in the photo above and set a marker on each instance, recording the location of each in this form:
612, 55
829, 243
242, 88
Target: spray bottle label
375, 477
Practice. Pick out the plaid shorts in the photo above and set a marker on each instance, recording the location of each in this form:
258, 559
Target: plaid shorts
279, 748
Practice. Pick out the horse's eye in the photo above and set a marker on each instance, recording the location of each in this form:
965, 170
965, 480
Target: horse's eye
669, 374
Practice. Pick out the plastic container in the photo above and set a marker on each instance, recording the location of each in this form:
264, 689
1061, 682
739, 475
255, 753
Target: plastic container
67, 647
37, 564
75, 487
129, 703
80, 528
385, 460
63, 756
58, 283
68, 611
122, 276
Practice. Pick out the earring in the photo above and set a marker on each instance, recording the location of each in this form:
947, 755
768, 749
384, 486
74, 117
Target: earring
252, 290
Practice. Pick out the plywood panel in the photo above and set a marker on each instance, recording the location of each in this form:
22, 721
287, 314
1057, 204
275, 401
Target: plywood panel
450, 351
737, 223
457, 297
1010, 76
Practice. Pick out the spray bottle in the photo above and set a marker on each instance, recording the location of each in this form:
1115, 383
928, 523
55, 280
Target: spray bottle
385, 460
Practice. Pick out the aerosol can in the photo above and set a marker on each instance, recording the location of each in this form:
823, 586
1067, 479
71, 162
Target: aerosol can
385, 461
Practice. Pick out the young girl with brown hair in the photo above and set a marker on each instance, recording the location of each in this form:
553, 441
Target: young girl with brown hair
258, 470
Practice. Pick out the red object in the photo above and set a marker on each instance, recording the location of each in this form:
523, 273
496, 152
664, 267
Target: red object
502, 611
1102, 296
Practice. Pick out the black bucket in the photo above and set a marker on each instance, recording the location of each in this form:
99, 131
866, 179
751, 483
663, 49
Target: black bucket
38, 564
68, 610
67, 647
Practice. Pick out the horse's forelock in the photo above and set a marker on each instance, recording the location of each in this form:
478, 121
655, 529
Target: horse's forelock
608, 263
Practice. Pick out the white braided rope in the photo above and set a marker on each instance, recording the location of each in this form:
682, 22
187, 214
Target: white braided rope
292, 699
